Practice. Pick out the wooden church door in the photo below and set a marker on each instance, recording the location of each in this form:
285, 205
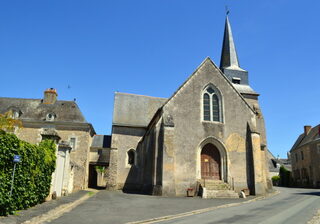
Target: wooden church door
210, 163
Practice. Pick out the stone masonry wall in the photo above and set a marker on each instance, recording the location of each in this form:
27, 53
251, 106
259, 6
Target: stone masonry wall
79, 157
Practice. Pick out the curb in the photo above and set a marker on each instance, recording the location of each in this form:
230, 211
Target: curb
60, 210
199, 211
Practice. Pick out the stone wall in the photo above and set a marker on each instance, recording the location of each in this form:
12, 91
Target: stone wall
124, 139
111, 171
77, 172
306, 169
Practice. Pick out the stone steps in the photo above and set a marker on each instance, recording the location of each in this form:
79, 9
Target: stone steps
219, 194
214, 185
217, 189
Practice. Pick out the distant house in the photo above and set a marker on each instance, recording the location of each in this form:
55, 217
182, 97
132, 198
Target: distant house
63, 122
276, 163
305, 157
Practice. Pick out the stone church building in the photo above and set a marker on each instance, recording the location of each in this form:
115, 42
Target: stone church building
210, 130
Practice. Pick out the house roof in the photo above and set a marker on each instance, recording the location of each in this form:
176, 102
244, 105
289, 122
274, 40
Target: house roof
35, 110
303, 139
135, 110
101, 141
275, 163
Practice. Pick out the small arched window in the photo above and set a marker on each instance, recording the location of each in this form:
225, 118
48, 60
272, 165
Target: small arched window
211, 105
131, 157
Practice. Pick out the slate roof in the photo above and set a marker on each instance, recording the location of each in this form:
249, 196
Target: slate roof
35, 110
101, 141
246, 89
273, 161
135, 110
229, 57
304, 139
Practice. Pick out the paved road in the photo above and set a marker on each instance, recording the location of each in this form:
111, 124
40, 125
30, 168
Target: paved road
292, 206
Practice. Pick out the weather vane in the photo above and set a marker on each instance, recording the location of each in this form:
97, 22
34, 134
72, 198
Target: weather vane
227, 10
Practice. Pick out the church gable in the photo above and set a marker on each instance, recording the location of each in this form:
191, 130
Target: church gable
209, 92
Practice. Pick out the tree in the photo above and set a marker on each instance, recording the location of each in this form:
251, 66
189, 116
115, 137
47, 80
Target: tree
8, 122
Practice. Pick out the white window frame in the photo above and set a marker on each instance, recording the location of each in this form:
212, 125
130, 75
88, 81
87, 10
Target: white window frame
75, 143
53, 117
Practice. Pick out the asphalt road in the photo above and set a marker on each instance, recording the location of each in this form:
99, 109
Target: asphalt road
294, 206
291, 206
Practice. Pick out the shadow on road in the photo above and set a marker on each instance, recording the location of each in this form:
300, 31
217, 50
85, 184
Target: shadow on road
310, 193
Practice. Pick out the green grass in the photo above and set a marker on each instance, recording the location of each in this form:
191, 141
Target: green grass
90, 193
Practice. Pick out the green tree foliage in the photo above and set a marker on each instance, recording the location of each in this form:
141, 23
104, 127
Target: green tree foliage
32, 176
275, 180
8, 123
100, 169
285, 177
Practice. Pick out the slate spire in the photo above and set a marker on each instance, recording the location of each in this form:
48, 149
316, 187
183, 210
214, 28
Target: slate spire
229, 57
229, 63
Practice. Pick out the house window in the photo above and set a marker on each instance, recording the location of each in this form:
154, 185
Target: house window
131, 157
296, 157
211, 105
73, 143
302, 155
50, 117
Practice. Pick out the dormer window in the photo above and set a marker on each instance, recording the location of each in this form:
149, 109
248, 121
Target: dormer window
14, 113
236, 80
50, 117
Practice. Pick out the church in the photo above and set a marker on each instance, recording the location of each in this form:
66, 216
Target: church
209, 133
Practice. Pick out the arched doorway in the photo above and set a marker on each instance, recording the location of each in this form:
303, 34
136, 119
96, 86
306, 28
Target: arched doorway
210, 162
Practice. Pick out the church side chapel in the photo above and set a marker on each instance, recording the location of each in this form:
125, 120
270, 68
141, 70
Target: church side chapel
208, 136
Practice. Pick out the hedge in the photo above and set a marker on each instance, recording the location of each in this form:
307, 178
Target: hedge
32, 175
285, 177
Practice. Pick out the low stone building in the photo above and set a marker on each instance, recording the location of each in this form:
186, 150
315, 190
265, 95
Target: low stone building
210, 132
305, 157
63, 122
99, 161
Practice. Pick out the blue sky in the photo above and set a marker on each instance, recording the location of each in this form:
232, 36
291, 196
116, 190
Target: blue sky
150, 47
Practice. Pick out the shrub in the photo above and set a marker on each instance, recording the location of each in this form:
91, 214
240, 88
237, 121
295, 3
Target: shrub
285, 177
275, 180
32, 175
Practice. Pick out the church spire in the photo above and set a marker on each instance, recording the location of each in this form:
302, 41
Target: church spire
229, 63
229, 57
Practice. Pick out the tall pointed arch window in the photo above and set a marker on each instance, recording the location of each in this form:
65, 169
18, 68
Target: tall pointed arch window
211, 105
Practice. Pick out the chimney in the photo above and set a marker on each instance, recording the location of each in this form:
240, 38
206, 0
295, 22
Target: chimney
307, 128
50, 96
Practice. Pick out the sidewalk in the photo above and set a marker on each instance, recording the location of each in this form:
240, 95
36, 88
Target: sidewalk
40, 209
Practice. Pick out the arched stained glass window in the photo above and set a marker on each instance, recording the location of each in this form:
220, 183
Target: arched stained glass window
215, 108
211, 105
206, 107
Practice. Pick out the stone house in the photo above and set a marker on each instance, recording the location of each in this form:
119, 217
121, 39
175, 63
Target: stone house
211, 130
63, 122
305, 157
276, 163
